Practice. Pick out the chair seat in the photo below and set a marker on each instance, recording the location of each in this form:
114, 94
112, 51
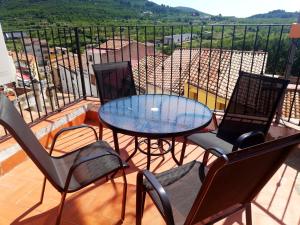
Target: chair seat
182, 185
209, 139
88, 171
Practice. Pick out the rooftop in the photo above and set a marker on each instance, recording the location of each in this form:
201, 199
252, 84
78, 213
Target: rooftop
209, 65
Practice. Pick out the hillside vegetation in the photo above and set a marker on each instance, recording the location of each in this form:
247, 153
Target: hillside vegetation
26, 14
276, 14
35, 13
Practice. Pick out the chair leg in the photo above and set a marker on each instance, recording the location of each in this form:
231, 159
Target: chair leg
100, 131
139, 199
124, 196
248, 214
43, 190
60, 208
148, 153
143, 201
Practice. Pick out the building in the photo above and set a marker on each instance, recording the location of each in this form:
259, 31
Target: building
67, 78
14, 35
57, 52
207, 75
66, 67
26, 67
144, 74
117, 50
219, 71
177, 38
39, 48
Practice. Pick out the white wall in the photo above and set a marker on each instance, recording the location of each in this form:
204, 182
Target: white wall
7, 68
72, 79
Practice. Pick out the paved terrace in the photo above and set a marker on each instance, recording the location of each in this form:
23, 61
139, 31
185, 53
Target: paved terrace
100, 203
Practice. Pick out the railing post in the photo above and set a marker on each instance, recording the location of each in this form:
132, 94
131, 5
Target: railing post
80, 62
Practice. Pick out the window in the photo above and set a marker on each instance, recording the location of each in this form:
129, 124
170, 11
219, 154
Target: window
220, 106
194, 96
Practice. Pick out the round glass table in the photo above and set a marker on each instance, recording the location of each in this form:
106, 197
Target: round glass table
154, 116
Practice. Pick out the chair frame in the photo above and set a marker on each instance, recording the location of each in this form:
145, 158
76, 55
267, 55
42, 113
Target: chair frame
275, 106
102, 100
83, 160
63, 191
243, 138
284, 144
95, 67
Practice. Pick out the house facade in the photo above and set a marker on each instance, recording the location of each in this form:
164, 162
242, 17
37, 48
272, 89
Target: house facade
178, 38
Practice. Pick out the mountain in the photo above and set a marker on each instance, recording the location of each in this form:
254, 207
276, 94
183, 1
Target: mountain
27, 14
32, 13
191, 10
275, 14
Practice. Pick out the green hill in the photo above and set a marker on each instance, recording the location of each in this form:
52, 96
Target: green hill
275, 14
38, 13
191, 10
26, 14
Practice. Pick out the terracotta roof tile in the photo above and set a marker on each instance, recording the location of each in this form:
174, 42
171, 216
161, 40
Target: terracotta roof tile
118, 44
202, 69
114, 44
291, 104
146, 74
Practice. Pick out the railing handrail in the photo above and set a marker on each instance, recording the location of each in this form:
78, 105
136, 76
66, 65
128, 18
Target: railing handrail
73, 78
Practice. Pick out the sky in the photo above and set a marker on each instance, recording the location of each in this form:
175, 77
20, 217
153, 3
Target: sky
238, 8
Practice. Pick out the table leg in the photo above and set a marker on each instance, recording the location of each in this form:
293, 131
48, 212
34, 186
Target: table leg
116, 142
173, 151
160, 145
136, 143
183, 150
148, 153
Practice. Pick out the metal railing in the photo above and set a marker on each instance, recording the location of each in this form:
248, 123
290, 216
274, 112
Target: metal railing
53, 66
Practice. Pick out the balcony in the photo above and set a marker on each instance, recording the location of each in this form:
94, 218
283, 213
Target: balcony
100, 204
61, 92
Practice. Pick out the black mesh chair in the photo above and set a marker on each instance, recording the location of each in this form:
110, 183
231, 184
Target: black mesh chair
114, 80
248, 116
69, 172
194, 193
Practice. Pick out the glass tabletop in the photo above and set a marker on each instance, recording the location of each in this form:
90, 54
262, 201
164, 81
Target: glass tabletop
155, 115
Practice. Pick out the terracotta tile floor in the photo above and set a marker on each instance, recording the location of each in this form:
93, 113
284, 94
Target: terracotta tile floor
278, 203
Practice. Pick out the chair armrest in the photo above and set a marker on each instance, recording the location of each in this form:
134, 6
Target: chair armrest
69, 129
243, 140
160, 191
83, 160
218, 152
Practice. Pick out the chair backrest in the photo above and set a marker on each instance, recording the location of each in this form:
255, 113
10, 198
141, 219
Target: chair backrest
114, 80
240, 177
11, 119
252, 106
